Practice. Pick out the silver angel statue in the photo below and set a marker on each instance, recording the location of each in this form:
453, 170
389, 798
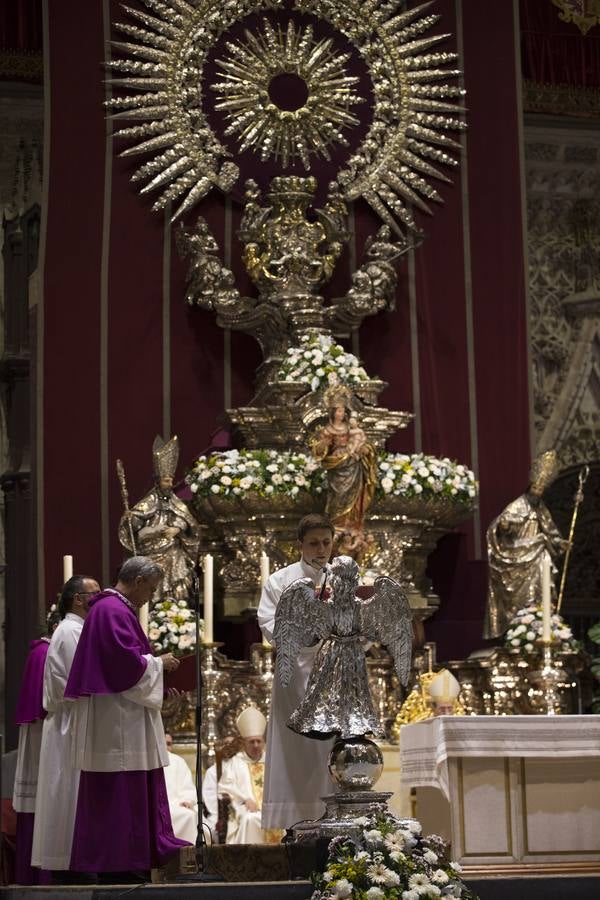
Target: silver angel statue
338, 699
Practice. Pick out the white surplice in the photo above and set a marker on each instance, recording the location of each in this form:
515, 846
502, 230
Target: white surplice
58, 781
181, 789
210, 800
296, 774
243, 826
123, 732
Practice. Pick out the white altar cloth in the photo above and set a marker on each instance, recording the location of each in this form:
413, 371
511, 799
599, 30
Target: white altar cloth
427, 746
512, 791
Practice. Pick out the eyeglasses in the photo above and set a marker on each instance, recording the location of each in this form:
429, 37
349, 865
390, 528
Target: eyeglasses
86, 593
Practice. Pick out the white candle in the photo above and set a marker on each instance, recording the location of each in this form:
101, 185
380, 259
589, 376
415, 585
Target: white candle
265, 568
546, 601
67, 568
208, 599
265, 571
143, 614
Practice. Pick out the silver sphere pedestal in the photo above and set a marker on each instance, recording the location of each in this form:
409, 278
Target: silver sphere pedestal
355, 765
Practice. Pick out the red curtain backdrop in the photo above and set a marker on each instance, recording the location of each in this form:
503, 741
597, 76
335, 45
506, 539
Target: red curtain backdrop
556, 52
117, 369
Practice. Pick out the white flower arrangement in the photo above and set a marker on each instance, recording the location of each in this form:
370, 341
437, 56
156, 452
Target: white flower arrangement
172, 628
426, 477
320, 362
390, 860
264, 472
525, 632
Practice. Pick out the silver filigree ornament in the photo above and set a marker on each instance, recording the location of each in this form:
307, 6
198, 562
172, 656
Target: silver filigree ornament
248, 73
414, 107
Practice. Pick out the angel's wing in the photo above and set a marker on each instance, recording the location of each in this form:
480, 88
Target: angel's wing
301, 619
386, 617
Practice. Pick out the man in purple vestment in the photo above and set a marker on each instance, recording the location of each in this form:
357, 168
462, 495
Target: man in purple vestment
29, 715
123, 824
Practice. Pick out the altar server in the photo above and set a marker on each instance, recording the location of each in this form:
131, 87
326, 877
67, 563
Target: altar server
123, 825
242, 780
29, 716
58, 781
181, 791
296, 774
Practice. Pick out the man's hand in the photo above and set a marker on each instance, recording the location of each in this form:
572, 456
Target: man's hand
251, 805
187, 804
170, 662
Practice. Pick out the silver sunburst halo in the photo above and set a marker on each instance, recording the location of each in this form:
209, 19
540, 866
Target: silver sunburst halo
260, 123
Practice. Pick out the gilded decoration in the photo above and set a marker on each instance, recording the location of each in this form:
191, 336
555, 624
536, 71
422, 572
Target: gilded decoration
583, 14
247, 74
162, 66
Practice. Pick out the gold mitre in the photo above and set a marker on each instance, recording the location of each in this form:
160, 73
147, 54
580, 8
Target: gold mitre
443, 688
338, 395
251, 722
545, 467
165, 456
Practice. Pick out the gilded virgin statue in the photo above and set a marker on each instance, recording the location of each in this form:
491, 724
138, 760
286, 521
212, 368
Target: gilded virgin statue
518, 540
350, 460
162, 527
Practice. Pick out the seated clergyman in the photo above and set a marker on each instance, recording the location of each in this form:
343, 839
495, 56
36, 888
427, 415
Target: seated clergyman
181, 791
242, 781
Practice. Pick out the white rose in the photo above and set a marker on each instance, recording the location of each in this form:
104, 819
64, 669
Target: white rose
430, 857
410, 895
374, 836
418, 489
215, 488
387, 484
246, 482
342, 889
225, 479
530, 636
375, 893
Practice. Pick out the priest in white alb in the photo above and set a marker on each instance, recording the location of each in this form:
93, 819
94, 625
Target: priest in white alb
183, 799
242, 780
58, 781
296, 774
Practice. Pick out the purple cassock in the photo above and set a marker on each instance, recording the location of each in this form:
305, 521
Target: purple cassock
29, 710
123, 821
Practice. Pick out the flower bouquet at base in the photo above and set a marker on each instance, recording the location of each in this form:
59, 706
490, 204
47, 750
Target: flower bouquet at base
172, 628
390, 860
525, 632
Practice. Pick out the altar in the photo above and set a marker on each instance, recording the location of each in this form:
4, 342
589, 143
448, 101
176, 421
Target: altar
512, 793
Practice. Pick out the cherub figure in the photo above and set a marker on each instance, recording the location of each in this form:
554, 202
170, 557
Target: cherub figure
338, 699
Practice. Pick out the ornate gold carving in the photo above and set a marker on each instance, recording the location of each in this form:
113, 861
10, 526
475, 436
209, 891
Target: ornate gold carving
584, 15
260, 124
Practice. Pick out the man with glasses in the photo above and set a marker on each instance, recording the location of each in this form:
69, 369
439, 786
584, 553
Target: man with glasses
58, 780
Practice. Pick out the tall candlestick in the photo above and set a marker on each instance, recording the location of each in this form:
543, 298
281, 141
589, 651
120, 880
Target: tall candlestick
207, 566
67, 568
546, 601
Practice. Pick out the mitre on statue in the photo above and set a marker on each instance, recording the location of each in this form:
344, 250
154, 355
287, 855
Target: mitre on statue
165, 456
251, 722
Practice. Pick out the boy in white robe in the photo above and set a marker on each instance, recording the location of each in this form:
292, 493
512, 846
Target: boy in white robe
296, 774
58, 780
183, 800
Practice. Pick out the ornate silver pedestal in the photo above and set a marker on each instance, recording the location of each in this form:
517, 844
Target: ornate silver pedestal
355, 764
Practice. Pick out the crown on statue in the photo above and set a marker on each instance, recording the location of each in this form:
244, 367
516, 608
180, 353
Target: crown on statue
545, 468
165, 456
339, 395
288, 185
